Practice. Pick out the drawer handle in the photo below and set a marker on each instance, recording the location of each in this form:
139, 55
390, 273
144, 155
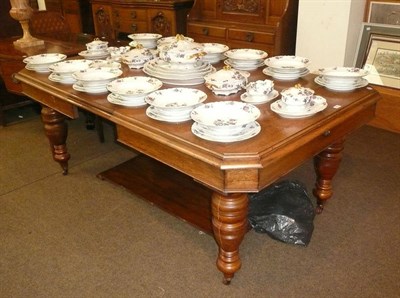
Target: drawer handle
327, 133
249, 36
205, 31
133, 14
134, 27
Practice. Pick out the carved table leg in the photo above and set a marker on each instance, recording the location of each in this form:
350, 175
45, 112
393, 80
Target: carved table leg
56, 130
326, 165
229, 219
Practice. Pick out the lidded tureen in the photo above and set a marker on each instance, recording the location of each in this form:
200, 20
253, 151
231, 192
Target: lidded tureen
182, 51
137, 57
297, 97
226, 80
97, 45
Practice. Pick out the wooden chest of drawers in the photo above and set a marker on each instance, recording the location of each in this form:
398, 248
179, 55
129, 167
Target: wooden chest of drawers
115, 19
269, 25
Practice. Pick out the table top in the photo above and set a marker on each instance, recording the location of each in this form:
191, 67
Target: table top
9, 52
245, 166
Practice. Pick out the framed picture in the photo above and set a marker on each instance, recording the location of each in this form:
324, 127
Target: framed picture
383, 12
379, 53
383, 62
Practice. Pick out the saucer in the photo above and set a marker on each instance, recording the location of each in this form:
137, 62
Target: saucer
153, 113
96, 90
58, 79
115, 99
316, 105
259, 100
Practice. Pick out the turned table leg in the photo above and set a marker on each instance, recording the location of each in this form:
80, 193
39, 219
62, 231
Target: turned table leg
229, 219
56, 130
326, 165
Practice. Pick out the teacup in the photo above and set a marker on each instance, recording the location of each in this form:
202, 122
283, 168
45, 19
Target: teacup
296, 98
259, 88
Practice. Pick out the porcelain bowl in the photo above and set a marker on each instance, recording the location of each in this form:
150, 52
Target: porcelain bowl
96, 76
147, 40
287, 63
225, 117
66, 68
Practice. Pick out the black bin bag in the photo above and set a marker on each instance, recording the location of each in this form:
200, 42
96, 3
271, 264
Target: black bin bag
284, 211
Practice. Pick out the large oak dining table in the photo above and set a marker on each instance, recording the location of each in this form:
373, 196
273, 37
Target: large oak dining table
203, 182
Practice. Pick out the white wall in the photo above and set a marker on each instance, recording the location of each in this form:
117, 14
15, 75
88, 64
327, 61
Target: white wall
41, 4
327, 31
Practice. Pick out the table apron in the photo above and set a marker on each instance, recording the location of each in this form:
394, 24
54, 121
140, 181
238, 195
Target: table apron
283, 160
260, 172
51, 100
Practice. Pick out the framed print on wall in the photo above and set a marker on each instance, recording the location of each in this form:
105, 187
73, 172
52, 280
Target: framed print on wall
379, 53
383, 62
383, 12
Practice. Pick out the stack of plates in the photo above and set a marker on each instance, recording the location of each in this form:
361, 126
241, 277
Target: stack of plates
342, 78
215, 52
173, 104
131, 91
95, 80
245, 59
286, 67
317, 104
61, 72
225, 121
42, 62
178, 74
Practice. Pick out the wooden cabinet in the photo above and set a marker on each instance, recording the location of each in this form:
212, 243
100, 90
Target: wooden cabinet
115, 19
269, 25
388, 109
77, 13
